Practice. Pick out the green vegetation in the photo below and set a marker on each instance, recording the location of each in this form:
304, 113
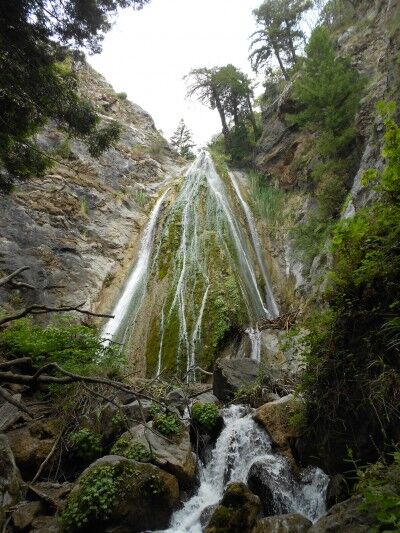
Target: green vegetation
75, 347
205, 415
122, 96
85, 445
167, 424
328, 90
131, 449
353, 346
182, 140
280, 33
379, 484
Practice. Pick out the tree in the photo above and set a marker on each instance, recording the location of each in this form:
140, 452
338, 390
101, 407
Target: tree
182, 140
38, 41
279, 34
226, 89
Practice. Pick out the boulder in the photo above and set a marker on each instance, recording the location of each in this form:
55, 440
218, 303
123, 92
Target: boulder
52, 495
172, 454
237, 512
206, 515
114, 418
9, 413
345, 516
46, 524
337, 491
141, 497
24, 514
277, 417
286, 523
11, 485
233, 374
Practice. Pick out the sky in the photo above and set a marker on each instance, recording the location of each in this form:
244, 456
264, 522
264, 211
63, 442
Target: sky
147, 53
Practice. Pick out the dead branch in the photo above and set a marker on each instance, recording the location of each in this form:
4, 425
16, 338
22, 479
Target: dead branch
14, 362
43, 309
10, 399
48, 457
8, 278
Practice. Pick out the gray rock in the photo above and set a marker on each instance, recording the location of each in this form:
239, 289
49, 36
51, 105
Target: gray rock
345, 516
337, 491
46, 524
9, 413
286, 523
25, 513
231, 375
149, 498
132, 412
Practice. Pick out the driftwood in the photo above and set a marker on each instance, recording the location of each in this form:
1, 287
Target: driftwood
281, 322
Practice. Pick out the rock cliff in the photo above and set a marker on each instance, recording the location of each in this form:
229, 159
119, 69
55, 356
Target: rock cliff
77, 227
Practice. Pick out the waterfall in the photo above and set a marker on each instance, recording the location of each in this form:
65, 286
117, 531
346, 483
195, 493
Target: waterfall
242, 443
132, 294
270, 299
255, 340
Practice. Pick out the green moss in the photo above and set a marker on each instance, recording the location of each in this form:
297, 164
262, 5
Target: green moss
85, 444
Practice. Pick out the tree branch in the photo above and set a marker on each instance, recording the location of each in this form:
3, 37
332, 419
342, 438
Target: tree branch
10, 399
8, 278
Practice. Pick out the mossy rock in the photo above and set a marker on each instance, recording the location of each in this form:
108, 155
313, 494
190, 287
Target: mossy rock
237, 512
118, 492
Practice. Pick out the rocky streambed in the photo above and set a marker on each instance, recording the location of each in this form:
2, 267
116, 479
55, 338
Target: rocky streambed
192, 460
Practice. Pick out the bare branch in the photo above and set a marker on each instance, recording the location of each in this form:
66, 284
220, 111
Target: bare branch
8, 278
14, 362
43, 309
10, 399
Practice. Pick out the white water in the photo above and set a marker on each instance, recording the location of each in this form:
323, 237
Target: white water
255, 340
270, 299
132, 294
242, 443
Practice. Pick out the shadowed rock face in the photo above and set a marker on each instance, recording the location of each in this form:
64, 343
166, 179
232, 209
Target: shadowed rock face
76, 228
230, 375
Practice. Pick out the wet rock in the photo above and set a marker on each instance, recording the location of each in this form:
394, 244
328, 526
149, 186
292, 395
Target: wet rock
115, 418
25, 513
11, 485
237, 512
286, 523
46, 524
337, 491
173, 454
277, 419
52, 495
345, 516
207, 397
9, 413
146, 502
231, 375
206, 515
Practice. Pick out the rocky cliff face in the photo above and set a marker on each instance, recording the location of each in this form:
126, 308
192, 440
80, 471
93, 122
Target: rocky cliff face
371, 40
77, 227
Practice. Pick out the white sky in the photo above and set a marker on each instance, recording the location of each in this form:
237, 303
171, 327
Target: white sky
147, 53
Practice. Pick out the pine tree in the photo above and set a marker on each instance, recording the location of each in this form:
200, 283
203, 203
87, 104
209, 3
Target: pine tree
182, 140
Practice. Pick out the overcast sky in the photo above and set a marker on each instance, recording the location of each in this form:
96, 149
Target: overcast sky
147, 53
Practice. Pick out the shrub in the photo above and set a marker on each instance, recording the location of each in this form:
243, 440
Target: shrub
85, 444
122, 96
75, 347
131, 449
167, 424
379, 484
205, 415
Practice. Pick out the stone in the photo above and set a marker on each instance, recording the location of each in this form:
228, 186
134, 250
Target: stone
11, 485
53, 495
46, 524
337, 491
276, 418
9, 413
25, 513
29, 449
172, 454
237, 512
206, 515
111, 413
231, 375
150, 495
286, 523
345, 516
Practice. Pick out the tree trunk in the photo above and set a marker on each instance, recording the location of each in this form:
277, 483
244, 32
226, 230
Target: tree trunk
252, 118
218, 105
278, 57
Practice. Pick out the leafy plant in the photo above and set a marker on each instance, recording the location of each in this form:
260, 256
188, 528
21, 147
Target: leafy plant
85, 444
205, 415
167, 424
131, 449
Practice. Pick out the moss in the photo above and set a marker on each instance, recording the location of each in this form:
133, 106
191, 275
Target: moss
205, 415
131, 449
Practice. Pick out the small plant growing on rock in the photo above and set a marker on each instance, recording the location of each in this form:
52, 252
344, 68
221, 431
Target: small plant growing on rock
85, 444
131, 449
205, 415
167, 424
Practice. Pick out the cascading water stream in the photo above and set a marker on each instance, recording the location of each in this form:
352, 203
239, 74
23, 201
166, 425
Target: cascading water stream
241, 444
270, 299
132, 294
